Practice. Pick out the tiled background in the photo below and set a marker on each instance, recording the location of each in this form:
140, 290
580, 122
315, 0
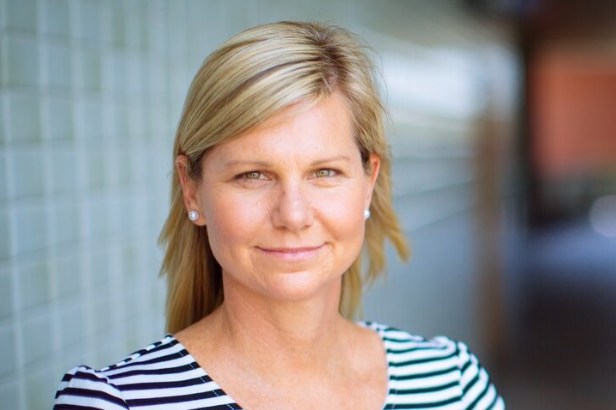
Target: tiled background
90, 94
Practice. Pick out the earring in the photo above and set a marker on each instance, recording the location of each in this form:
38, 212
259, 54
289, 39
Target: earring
366, 213
193, 215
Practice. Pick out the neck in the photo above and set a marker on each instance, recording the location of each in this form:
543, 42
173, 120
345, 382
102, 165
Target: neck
258, 350
303, 332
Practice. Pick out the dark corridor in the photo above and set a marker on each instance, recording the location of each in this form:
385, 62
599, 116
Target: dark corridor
564, 355
562, 347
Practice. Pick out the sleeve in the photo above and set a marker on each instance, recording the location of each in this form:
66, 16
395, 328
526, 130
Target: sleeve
478, 392
85, 388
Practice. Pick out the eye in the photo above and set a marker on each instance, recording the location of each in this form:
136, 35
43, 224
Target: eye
254, 175
251, 179
325, 172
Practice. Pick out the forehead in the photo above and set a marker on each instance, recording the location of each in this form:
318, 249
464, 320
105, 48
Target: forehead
305, 128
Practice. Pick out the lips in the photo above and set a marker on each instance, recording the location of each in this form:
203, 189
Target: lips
292, 254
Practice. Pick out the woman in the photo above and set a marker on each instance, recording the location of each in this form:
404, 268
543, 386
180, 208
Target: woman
282, 171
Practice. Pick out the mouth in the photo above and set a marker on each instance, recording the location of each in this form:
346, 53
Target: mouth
292, 253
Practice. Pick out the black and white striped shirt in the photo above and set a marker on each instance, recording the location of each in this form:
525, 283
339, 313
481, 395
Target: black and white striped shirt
423, 374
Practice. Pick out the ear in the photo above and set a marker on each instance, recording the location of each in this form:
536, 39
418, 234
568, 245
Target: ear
374, 165
189, 188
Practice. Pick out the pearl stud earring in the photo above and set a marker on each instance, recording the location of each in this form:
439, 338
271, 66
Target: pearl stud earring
366, 213
193, 215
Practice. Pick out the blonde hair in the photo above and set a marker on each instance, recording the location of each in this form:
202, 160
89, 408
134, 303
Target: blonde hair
250, 77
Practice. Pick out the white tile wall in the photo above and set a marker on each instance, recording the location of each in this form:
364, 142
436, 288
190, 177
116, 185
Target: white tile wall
5, 238
23, 60
37, 380
3, 178
28, 171
6, 288
9, 394
58, 116
90, 94
7, 353
55, 18
28, 228
23, 116
33, 287
36, 327
22, 15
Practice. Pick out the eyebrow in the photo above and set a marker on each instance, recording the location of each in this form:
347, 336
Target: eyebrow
236, 162
331, 159
264, 164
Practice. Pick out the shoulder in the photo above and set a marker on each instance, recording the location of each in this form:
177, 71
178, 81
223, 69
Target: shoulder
105, 387
406, 350
84, 387
153, 359
143, 378
401, 340
436, 370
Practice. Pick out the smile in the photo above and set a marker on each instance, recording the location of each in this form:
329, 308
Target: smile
292, 254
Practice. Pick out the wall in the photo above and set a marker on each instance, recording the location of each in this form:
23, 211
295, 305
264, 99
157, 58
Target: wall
90, 93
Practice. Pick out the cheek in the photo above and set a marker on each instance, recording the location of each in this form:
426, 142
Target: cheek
229, 222
344, 212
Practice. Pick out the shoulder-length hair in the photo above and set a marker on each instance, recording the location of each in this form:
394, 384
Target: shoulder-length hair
252, 76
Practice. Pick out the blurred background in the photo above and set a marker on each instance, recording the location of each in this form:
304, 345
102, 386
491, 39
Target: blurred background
504, 137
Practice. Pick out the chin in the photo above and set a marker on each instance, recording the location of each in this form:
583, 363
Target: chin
302, 286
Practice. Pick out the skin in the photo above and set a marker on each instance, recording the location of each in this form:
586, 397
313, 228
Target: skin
283, 204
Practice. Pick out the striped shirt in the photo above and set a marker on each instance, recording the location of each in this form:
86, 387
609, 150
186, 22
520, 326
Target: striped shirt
423, 374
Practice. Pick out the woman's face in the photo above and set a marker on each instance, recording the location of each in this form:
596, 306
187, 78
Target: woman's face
284, 203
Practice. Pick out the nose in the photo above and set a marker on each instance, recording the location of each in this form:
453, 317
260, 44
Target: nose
292, 210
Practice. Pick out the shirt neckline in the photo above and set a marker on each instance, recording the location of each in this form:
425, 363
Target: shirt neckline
375, 327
